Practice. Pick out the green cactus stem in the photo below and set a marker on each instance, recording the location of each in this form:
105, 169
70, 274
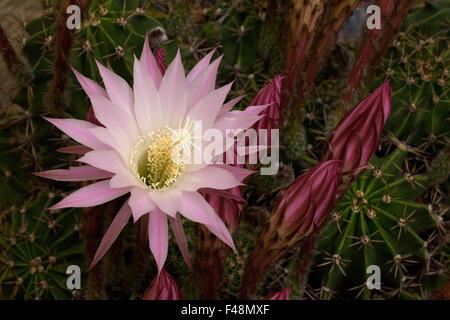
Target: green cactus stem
373, 48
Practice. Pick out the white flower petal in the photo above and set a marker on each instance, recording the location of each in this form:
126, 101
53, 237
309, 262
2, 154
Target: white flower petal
167, 200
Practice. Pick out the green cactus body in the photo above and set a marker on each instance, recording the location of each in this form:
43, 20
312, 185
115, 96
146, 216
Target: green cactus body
37, 247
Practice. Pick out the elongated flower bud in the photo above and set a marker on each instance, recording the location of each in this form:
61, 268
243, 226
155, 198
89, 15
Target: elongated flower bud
300, 210
161, 60
280, 295
357, 135
163, 287
269, 95
227, 209
90, 116
302, 207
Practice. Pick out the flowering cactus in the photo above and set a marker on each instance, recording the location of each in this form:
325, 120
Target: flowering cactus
163, 287
385, 216
353, 142
299, 210
132, 153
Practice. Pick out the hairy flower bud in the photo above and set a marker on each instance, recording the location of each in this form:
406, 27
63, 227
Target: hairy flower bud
228, 209
302, 206
160, 58
90, 116
299, 211
163, 287
269, 95
357, 135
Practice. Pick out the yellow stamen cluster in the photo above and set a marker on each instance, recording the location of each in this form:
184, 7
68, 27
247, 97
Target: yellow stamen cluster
156, 166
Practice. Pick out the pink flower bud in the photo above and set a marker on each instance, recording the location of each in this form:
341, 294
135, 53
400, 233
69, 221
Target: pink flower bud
228, 208
162, 288
90, 116
280, 295
357, 135
269, 95
302, 207
161, 60
228, 203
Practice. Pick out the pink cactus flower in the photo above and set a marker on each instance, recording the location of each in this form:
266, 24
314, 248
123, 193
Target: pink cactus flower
163, 287
303, 206
280, 295
358, 134
131, 153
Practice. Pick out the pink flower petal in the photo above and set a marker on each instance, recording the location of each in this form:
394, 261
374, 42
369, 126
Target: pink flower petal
209, 177
140, 203
104, 159
91, 195
235, 121
199, 67
194, 207
89, 86
150, 63
124, 178
229, 105
249, 111
173, 92
167, 200
83, 173
147, 106
114, 118
180, 237
203, 84
239, 173
209, 106
117, 88
119, 222
113, 140
158, 237
79, 131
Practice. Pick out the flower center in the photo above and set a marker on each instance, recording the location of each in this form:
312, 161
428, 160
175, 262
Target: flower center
160, 163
